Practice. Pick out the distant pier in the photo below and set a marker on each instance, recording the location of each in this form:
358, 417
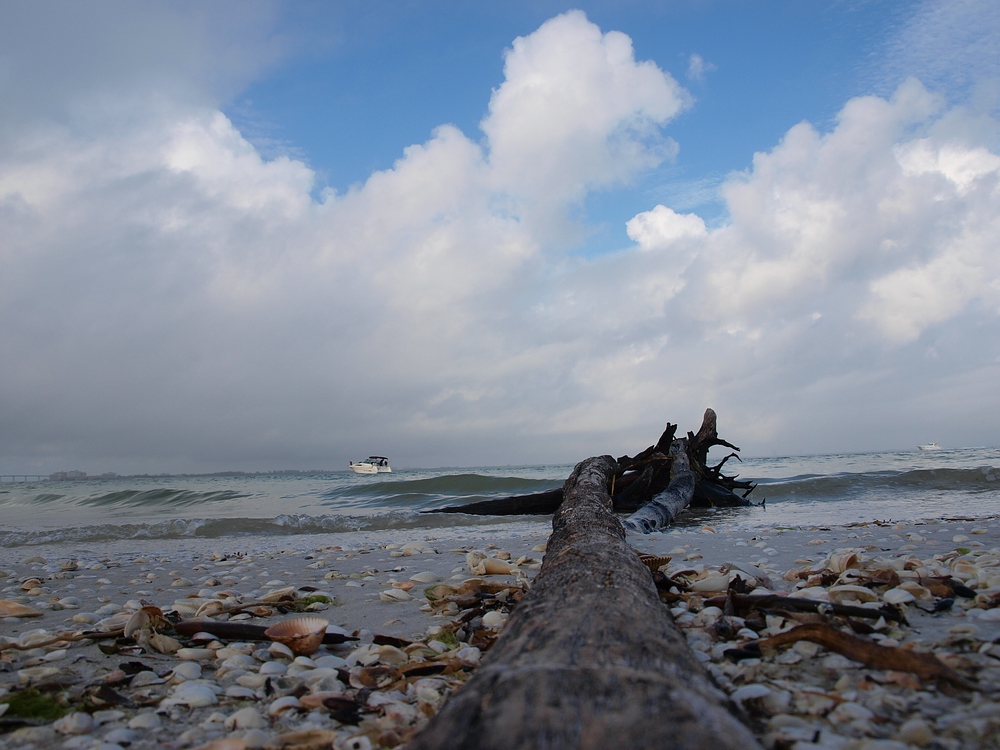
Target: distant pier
23, 478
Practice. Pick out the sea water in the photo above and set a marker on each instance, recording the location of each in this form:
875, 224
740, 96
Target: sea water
794, 491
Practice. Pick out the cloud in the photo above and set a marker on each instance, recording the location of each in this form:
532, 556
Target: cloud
575, 113
180, 302
698, 67
171, 300
949, 46
848, 254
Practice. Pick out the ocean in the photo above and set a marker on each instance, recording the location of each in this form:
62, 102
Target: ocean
792, 491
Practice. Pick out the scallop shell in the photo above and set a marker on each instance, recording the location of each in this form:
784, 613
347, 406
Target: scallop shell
302, 635
654, 562
13, 609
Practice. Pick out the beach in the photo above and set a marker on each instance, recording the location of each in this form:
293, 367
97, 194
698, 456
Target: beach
217, 692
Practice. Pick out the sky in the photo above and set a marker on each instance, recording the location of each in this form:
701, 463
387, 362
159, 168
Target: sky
273, 235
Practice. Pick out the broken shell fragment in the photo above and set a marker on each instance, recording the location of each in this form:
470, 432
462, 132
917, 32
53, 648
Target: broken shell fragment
302, 635
441, 591
847, 592
277, 595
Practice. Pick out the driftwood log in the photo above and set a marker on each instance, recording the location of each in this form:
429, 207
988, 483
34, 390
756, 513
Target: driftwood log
640, 479
590, 658
665, 506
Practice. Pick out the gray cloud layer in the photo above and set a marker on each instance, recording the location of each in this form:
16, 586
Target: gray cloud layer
172, 301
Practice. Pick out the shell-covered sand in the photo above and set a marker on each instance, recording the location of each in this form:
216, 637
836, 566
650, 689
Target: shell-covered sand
425, 608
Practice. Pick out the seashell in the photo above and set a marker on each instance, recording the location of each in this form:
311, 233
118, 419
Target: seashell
714, 582
195, 654
851, 591
245, 718
192, 695
654, 562
425, 576
474, 561
136, 622
813, 593
393, 595
277, 595
494, 620
30, 584
145, 678
392, 656
186, 670
302, 635
210, 609
272, 668
281, 705
919, 592
421, 547
841, 561
164, 643
965, 570
494, 567
36, 674
403, 586
441, 591
13, 609
318, 700
280, 650
898, 596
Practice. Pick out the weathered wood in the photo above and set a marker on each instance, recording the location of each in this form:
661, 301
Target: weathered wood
590, 658
639, 479
664, 507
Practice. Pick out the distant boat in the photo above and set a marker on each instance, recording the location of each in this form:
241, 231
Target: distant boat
929, 447
372, 465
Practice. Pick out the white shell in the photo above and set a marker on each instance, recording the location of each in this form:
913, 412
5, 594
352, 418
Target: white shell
425, 576
283, 704
136, 621
898, 596
718, 582
494, 620
394, 595
280, 650
195, 654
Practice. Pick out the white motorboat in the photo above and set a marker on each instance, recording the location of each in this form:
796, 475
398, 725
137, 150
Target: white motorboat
372, 465
929, 447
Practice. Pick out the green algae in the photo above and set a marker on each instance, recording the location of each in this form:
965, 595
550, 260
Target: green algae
32, 703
